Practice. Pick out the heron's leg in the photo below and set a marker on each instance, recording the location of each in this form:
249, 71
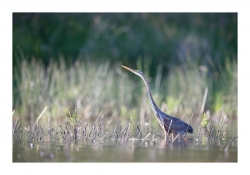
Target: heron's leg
173, 135
185, 139
165, 139
181, 137
165, 132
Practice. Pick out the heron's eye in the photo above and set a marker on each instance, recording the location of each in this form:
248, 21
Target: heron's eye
139, 72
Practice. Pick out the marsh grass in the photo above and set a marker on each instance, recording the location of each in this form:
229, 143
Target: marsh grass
89, 87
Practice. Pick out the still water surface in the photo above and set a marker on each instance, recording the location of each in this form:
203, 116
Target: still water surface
132, 151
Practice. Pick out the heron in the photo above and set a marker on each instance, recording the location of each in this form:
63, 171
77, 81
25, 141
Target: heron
168, 123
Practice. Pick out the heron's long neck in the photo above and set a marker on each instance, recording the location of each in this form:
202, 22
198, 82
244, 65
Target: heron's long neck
153, 105
151, 101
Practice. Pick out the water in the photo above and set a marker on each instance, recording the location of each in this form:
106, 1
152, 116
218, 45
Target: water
214, 150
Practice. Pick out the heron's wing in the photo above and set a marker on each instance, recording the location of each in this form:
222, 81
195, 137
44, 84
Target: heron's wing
176, 125
172, 119
166, 117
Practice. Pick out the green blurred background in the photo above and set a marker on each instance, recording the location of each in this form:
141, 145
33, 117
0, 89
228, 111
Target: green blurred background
70, 61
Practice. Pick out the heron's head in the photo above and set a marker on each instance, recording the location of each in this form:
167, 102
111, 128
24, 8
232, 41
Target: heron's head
137, 72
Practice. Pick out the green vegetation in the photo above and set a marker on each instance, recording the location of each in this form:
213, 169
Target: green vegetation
72, 61
89, 87
204, 121
165, 37
75, 120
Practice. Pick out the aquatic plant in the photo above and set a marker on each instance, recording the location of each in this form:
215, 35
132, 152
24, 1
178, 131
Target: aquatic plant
204, 121
75, 119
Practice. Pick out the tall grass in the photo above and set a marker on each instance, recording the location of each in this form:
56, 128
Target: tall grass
84, 86
90, 87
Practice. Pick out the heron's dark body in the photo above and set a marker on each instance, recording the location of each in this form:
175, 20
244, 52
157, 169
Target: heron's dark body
176, 125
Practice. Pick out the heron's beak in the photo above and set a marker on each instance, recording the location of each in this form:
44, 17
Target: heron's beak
132, 70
